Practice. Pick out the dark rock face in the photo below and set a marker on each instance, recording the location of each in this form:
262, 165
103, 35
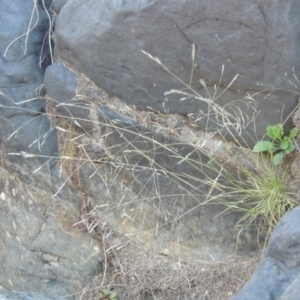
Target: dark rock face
257, 40
58, 4
292, 292
144, 189
21, 77
61, 83
37, 252
277, 277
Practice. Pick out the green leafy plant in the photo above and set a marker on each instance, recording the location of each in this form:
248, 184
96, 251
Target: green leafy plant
261, 193
108, 295
281, 144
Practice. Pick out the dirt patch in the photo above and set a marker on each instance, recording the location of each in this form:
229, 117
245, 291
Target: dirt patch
135, 272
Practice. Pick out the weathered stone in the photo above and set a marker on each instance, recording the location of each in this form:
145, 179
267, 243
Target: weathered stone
257, 40
61, 83
278, 274
146, 183
292, 292
22, 110
15, 44
58, 5
159, 210
40, 250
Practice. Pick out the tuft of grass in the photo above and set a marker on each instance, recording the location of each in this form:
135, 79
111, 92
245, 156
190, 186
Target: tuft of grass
261, 193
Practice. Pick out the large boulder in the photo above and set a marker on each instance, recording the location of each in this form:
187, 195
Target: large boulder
39, 250
277, 277
255, 39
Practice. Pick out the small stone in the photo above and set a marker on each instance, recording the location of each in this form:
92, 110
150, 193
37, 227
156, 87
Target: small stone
3, 196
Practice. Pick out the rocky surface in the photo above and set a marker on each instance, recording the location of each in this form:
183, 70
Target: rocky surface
135, 176
77, 155
57, 5
277, 276
255, 39
40, 251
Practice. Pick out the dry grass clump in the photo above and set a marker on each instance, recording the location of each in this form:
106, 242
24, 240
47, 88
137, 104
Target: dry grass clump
261, 191
135, 272
263, 198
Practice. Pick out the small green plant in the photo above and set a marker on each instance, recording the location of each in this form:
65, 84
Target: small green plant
108, 295
281, 144
261, 193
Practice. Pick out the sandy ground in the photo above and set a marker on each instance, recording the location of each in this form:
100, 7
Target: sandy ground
135, 272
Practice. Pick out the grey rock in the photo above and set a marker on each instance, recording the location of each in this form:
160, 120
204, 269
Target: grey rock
24, 125
278, 273
61, 83
22, 109
4, 295
58, 5
40, 251
154, 206
292, 292
146, 172
255, 39
15, 43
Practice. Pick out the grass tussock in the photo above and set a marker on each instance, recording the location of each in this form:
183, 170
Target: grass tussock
261, 190
261, 193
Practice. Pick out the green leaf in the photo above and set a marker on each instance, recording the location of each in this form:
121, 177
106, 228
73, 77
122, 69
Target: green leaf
293, 133
286, 139
278, 158
262, 146
285, 145
291, 147
275, 131
105, 292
